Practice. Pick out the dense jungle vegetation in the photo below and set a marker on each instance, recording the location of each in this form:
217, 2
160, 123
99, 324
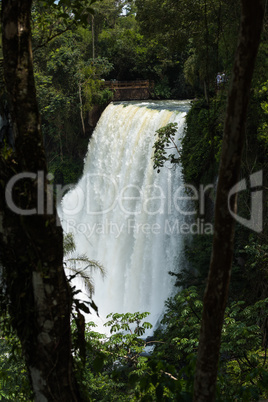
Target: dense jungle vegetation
181, 46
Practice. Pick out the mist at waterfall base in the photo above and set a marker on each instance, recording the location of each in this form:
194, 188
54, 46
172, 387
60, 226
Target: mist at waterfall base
122, 212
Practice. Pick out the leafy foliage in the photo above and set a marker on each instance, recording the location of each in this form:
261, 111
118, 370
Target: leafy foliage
243, 365
14, 381
263, 129
116, 367
203, 33
80, 266
68, 85
201, 143
165, 137
254, 256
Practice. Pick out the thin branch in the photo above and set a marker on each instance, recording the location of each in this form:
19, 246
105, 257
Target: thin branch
193, 311
247, 360
154, 342
53, 37
81, 108
169, 375
175, 145
265, 357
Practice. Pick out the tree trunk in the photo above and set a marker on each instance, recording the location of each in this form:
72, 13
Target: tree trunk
216, 293
36, 289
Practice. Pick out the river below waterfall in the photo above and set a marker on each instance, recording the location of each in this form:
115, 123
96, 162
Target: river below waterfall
124, 214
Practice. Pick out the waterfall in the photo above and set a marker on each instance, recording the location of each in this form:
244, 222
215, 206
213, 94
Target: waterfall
123, 213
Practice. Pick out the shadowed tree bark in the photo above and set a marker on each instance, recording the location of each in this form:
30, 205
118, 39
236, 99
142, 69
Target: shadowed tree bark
35, 286
216, 293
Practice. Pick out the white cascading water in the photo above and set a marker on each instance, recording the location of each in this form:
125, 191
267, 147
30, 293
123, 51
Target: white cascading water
124, 214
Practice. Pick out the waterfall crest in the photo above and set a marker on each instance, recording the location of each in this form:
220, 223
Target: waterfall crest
124, 214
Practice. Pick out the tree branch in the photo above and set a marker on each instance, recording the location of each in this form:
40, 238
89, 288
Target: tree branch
53, 37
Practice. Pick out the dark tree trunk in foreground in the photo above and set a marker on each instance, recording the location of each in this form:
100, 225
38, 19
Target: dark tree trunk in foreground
38, 295
220, 267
